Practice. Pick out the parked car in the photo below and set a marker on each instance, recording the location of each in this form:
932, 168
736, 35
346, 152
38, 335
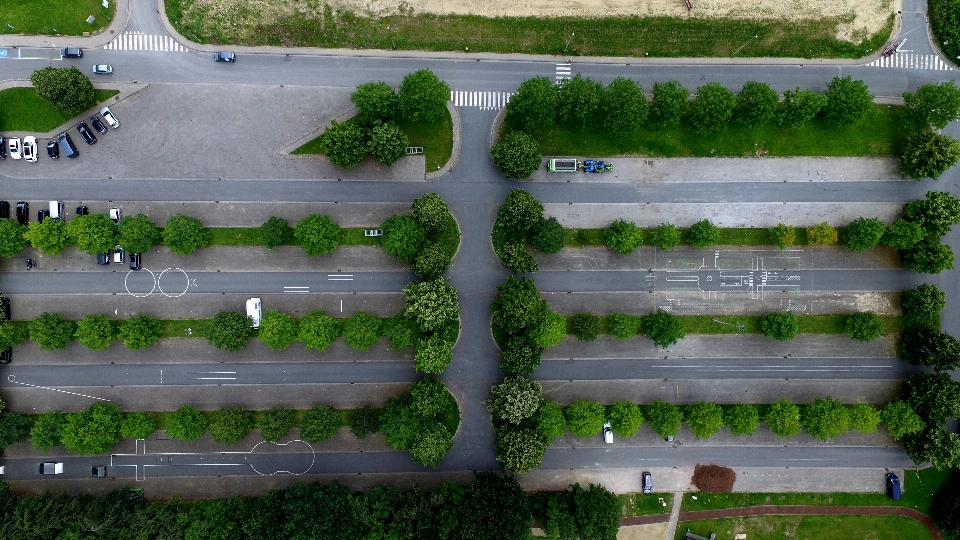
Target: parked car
98, 471
134, 261
86, 133
30, 148
5, 308
607, 433
103, 259
3, 148
82, 210
254, 311
107, 115
4, 209
6, 356
56, 210
893, 486
71, 52
98, 125
16, 149
51, 467
42, 214
102, 69
116, 215
224, 56
118, 255
66, 145
52, 149
646, 480
23, 212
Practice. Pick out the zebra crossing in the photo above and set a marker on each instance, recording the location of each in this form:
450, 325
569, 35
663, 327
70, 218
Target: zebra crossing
912, 61
138, 41
487, 101
563, 72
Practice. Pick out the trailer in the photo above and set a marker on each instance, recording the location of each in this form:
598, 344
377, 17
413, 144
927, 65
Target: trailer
894, 47
562, 165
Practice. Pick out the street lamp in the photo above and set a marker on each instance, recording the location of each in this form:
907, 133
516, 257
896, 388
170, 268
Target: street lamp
568, 42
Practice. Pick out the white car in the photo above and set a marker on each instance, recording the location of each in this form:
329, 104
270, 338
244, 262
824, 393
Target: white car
16, 149
30, 148
116, 215
607, 433
102, 69
109, 117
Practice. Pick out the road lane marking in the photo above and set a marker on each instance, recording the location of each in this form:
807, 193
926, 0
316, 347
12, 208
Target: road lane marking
295, 289
339, 277
12, 379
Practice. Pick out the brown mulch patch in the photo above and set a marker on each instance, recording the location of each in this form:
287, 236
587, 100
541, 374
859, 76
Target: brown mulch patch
714, 478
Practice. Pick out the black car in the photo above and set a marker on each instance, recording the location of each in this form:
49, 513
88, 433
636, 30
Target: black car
41, 214
98, 471
23, 212
6, 356
134, 261
4, 209
224, 56
98, 125
103, 258
82, 211
3, 148
5, 308
71, 52
85, 133
53, 150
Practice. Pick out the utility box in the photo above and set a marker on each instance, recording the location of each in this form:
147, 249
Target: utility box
563, 165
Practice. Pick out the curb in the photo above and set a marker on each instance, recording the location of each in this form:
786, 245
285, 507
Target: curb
457, 147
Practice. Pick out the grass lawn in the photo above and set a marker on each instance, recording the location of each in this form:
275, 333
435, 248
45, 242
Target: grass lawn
52, 17
250, 236
880, 133
638, 504
809, 528
731, 236
809, 324
603, 36
21, 109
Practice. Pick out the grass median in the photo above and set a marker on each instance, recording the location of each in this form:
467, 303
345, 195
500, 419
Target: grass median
819, 527
54, 17
750, 324
729, 236
21, 109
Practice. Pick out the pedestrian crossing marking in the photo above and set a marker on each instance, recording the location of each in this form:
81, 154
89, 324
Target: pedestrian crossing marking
487, 101
912, 61
138, 41
563, 72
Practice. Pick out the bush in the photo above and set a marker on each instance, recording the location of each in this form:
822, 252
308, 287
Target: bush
623, 236
741, 419
400, 423
51, 331
137, 233
93, 430
95, 331
515, 399
864, 418
864, 326
781, 326
664, 418
783, 236
517, 155
664, 328
432, 261
140, 332
229, 330
93, 233
822, 234
317, 235
548, 236
274, 232
345, 144
625, 418
137, 425
864, 233
928, 155
366, 420
625, 105
665, 236
711, 108
799, 107
403, 237
704, 419
586, 326
623, 326
550, 421
320, 423
361, 330
401, 331
903, 234
669, 103
515, 257
49, 236
901, 419
847, 101
430, 397
432, 304
549, 331
585, 418
388, 143
703, 234
228, 426
783, 419
922, 305
534, 105
318, 331
432, 355
183, 234
186, 424
825, 419
432, 445
275, 424
756, 104
376, 102
518, 307
520, 355
431, 212
278, 330
11, 237
67, 88
519, 449
47, 430
423, 96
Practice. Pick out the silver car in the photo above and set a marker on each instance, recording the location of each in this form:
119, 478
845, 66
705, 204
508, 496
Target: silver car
109, 117
16, 149
102, 69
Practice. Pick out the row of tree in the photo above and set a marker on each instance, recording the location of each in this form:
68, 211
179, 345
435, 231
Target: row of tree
491, 507
422, 97
935, 397
428, 238
520, 222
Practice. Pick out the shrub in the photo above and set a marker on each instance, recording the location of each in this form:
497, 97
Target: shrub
549, 331
864, 418
822, 234
95, 331
665, 236
742, 419
423, 96
625, 105
140, 332
137, 425
864, 326
183, 234
704, 419
703, 234
922, 305
550, 421
318, 235
781, 326
401, 331
625, 418
664, 418
585, 418
93, 430
783, 419
669, 103
623, 326
366, 420
229, 330
548, 236
864, 233
274, 232
403, 237
318, 331
847, 100
664, 328
186, 424
517, 155
586, 326
623, 236
756, 104
51, 331
228, 426
711, 108
534, 105
320, 423
783, 236
515, 399
278, 330
275, 424
361, 330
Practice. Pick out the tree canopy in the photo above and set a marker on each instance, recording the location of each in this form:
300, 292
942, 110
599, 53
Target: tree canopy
317, 235
137, 234
534, 106
184, 234
229, 330
423, 96
711, 108
847, 100
67, 88
517, 155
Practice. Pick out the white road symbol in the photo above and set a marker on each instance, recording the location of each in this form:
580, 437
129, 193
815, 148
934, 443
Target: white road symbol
339, 277
297, 290
172, 278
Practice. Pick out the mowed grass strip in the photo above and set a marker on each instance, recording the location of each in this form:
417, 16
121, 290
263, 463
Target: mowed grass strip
594, 36
52, 17
638, 504
881, 132
21, 109
729, 236
250, 236
819, 527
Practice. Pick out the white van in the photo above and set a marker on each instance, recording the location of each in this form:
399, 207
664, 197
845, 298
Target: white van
56, 210
254, 311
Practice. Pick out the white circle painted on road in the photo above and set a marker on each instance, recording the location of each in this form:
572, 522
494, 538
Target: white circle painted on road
153, 283
186, 280
313, 458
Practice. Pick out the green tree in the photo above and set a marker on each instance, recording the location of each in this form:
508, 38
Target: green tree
520, 355
365, 420
515, 399
703, 233
864, 326
518, 307
625, 106
137, 234
548, 236
184, 234
431, 212
623, 236
430, 397
704, 419
742, 418
669, 103
186, 424
585, 418
534, 106
388, 142
140, 332
423, 97
579, 103
664, 328
799, 107
712, 108
549, 331
783, 419
623, 326
229, 330
93, 430
95, 331
578, 513
926, 346
665, 236
228, 426
922, 305
14, 428
625, 418
825, 419
432, 261
901, 419
278, 330
936, 213
520, 449
903, 234
318, 331
781, 326
401, 331
934, 397
137, 425
403, 237
550, 421
664, 418
514, 256
517, 155
317, 235
945, 509
432, 304
47, 430
12, 240
274, 232
93, 233
847, 101
863, 233
783, 236
586, 326
275, 424
432, 355
864, 418
929, 257
933, 105
400, 423
934, 445
822, 234
51, 331
320, 423
345, 144
756, 104
520, 212
432, 445
49, 235
67, 88
362, 330
11, 335
928, 155
375, 102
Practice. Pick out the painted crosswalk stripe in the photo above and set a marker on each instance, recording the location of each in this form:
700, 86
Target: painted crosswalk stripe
488, 101
912, 61
563, 72
138, 41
